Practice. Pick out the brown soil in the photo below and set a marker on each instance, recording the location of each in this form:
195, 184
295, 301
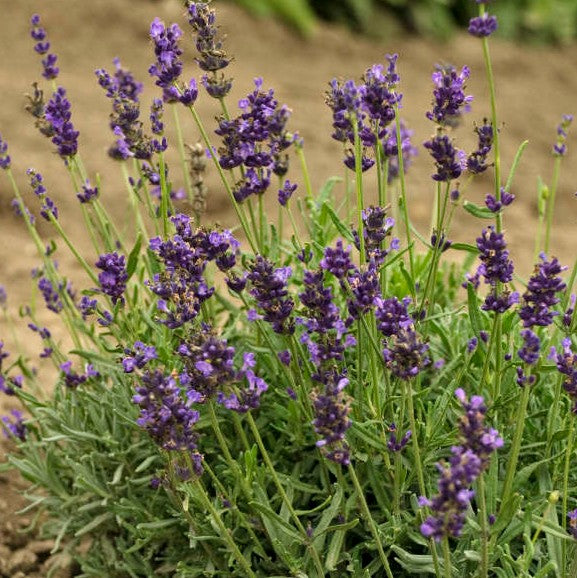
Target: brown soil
534, 85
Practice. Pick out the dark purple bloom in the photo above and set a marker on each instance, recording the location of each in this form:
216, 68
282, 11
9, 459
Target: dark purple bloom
122, 84
568, 315
73, 379
482, 26
255, 183
166, 415
286, 192
395, 445
88, 193
58, 116
236, 283
113, 277
405, 353
495, 205
540, 295
4, 156
13, 426
438, 242
477, 160
156, 114
472, 344
560, 148
475, 436
364, 286
450, 101
269, 288
87, 306
285, 357
168, 65
249, 396
567, 365
202, 18
450, 505
331, 422
529, 353
217, 86
337, 260
377, 227
449, 161
500, 303
392, 315
378, 94
51, 295
48, 207
138, 357
42, 47
189, 94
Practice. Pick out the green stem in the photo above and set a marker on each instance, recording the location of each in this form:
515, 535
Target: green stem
283, 494
225, 532
370, 520
182, 153
551, 202
516, 447
484, 569
359, 189
447, 558
305, 171
565, 490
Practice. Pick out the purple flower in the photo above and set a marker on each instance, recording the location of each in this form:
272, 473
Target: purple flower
477, 160
337, 260
113, 277
540, 295
560, 148
566, 362
51, 295
13, 426
168, 65
4, 156
395, 445
166, 415
378, 94
138, 357
494, 205
286, 192
210, 47
405, 353
42, 47
568, 315
48, 207
450, 505
73, 379
285, 357
472, 344
58, 115
269, 288
392, 315
449, 161
332, 408
124, 92
450, 101
88, 193
529, 353
482, 26
376, 228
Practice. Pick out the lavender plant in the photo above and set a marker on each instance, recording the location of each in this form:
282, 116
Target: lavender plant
345, 403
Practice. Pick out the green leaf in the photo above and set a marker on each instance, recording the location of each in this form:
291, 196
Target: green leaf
334, 551
477, 211
343, 229
133, 257
465, 247
473, 309
94, 524
277, 520
417, 563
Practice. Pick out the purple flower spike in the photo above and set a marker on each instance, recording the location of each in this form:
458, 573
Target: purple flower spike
42, 46
58, 116
168, 65
529, 353
449, 161
572, 521
113, 277
4, 156
482, 26
566, 362
560, 148
286, 192
88, 193
477, 160
450, 101
540, 296
337, 260
13, 425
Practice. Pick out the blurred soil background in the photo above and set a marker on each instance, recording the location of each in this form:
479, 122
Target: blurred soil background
535, 86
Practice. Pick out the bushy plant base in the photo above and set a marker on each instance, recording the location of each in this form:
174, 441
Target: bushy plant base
340, 402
